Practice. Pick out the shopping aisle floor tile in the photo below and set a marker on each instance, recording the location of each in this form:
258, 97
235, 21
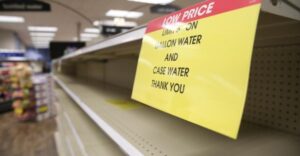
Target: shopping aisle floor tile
26, 138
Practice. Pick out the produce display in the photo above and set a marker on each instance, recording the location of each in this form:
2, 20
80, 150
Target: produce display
30, 94
5, 86
23, 92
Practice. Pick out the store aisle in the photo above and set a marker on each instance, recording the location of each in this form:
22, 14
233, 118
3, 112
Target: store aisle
26, 138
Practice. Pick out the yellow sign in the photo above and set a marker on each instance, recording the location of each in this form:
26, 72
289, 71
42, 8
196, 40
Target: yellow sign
195, 63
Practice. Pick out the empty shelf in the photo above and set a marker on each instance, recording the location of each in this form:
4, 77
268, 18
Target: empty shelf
152, 132
80, 131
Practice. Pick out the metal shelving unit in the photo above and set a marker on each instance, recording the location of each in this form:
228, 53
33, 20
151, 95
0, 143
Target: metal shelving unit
130, 36
270, 125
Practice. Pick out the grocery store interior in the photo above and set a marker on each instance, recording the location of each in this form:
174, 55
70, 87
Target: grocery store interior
149, 77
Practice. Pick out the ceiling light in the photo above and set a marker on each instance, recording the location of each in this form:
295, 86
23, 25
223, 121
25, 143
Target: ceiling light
34, 38
44, 29
124, 13
11, 19
75, 39
114, 23
88, 35
86, 39
96, 23
153, 1
39, 34
133, 14
41, 46
119, 21
83, 39
116, 13
41, 42
92, 30
45, 41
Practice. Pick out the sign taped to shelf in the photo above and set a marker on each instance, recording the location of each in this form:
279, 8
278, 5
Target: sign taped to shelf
195, 63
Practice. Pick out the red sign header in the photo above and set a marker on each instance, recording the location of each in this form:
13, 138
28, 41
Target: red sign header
198, 11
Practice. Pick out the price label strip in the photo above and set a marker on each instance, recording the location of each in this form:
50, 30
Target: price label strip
195, 63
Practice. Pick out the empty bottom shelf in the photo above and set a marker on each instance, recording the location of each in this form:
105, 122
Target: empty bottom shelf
78, 135
153, 132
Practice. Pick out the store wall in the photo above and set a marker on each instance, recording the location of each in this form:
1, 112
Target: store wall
10, 40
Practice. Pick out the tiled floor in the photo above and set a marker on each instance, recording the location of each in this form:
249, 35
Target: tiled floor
26, 138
